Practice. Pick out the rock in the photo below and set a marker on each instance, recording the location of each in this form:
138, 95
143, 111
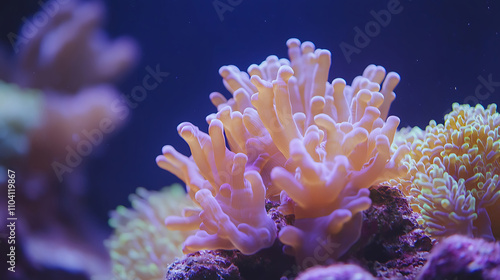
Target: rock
459, 257
203, 265
392, 244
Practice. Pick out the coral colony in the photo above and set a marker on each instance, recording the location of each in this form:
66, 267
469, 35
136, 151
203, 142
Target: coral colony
297, 163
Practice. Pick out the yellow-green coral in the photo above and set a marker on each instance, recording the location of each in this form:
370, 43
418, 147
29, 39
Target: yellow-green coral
445, 204
20, 111
141, 246
454, 171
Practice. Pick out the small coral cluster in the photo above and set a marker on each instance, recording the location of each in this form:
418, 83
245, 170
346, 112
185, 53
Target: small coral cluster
454, 172
319, 145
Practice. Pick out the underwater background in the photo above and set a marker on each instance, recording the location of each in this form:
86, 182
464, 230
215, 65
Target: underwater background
443, 50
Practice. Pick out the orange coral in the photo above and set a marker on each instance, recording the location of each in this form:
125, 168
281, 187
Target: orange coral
319, 145
231, 195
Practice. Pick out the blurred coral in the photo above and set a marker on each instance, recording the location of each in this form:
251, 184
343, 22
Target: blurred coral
65, 70
454, 172
141, 245
65, 121
20, 112
74, 64
71, 51
320, 144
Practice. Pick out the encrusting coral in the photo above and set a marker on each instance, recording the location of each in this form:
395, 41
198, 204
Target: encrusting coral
454, 171
141, 245
319, 145
461, 257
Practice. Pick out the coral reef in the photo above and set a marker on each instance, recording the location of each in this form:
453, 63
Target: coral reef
319, 144
392, 247
295, 164
454, 172
460, 257
141, 245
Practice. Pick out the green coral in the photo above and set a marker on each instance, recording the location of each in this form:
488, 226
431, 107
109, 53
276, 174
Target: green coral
141, 245
454, 172
20, 112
